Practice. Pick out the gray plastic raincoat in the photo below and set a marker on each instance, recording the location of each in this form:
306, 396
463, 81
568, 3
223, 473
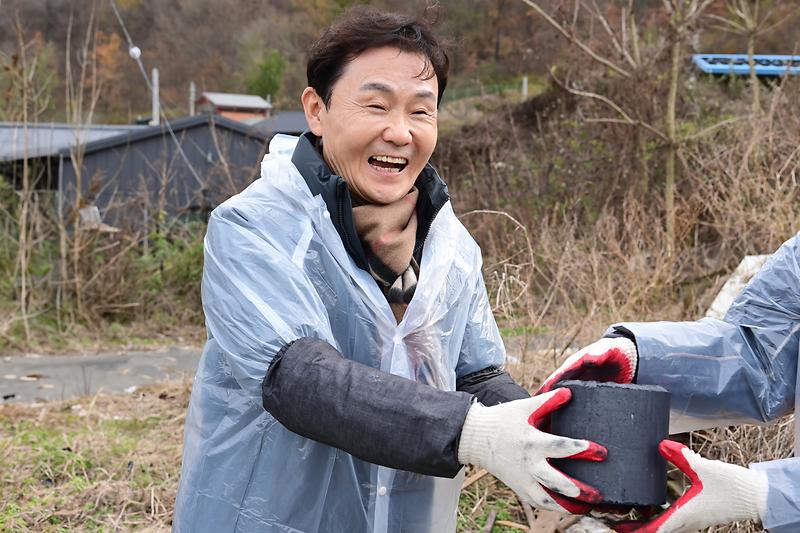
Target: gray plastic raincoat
275, 271
740, 369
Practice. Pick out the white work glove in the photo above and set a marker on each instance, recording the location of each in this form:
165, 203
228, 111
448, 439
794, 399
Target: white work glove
720, 493
505, 440
609, 359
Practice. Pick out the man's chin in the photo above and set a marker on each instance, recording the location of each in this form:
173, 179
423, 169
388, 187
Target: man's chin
385, 197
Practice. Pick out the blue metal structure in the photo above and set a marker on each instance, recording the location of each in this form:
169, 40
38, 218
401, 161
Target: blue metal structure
737, 64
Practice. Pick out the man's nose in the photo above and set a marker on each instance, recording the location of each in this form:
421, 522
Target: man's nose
398, 130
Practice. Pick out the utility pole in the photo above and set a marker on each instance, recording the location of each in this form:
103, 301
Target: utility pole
155, 119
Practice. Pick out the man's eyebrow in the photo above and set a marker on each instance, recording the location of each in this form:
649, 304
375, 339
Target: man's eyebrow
376, 86
383, 88
426, 94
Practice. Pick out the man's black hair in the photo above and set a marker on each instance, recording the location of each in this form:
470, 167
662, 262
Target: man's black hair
363, 28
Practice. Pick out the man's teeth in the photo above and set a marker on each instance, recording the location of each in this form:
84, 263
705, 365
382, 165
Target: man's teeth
390, 159
391, 170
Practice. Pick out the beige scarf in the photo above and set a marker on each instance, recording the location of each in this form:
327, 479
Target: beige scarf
389, 234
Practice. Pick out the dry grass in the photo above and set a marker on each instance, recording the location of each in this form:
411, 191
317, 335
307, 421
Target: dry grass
138, 336
111, 462
561, 270
101, 463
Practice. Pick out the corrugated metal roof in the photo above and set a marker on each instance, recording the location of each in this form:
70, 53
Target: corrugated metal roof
177, 125
239, 101
44, 139
291, 122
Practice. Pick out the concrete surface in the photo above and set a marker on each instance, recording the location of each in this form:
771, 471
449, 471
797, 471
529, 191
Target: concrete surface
32, 378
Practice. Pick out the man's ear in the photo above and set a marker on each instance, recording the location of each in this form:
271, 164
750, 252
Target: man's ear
313, 106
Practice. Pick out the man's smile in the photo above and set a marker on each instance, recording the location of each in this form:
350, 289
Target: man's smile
387, 163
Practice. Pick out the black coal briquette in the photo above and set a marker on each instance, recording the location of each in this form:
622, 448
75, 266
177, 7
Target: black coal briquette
630, 421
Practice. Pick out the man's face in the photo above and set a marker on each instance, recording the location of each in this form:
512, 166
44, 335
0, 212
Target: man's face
379, 129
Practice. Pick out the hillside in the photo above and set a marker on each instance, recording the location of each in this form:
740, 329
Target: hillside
221, 45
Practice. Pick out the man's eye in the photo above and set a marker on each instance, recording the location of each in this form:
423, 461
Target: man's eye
423, 112
377, 106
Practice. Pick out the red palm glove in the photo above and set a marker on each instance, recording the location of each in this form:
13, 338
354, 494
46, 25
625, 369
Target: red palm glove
720, 493
609, 359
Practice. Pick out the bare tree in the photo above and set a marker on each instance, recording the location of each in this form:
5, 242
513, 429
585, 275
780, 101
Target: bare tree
28, 97
626, 44
746, 17
82, 92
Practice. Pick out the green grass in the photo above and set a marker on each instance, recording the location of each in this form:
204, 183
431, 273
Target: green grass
523, 331
478, 500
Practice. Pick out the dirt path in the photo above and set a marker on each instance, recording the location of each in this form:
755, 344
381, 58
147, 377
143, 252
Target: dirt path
29, 379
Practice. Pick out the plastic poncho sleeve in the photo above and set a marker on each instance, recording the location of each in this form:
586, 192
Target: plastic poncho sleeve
255, 298
479, 369
743, 368
783, 500
482, 346
382, 418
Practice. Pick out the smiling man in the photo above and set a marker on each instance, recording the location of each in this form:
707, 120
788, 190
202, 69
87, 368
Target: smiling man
353, 365
379, 125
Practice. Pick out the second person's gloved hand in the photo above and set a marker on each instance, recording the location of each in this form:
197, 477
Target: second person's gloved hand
609, 359
505, 440
721, 493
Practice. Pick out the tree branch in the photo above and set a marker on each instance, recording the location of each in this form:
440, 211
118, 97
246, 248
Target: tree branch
591, 53
626, 119
711, 129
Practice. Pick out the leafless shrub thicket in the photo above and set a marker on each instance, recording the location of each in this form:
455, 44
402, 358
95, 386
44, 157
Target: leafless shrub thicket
581, 240
560, 271
579, 178
745, 178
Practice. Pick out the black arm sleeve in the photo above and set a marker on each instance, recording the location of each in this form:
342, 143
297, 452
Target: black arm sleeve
384, 419
492, 386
